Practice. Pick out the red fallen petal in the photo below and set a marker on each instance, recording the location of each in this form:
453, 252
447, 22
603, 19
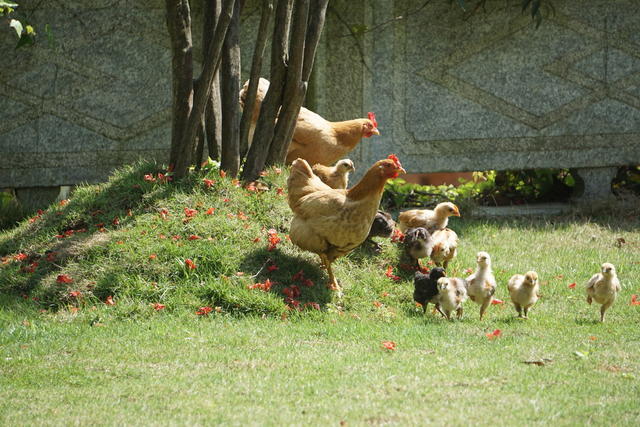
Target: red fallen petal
222, 174
208, 182
115, 221
189, 263
203, 311
63, 202
190, 213
194, 237
256, 240
210, 211
75, 294
495, 334
377, 304
634, 300
389, 345
20, 256
109, 301
280, 191
157, 306
272, 267
496, 301
153, 256
572, 286
63, 278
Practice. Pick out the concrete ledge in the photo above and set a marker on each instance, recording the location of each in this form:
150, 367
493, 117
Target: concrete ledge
542, 209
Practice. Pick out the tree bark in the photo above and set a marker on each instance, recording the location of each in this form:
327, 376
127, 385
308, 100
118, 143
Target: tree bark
265, 126
292, 97
211, 63
254, 77
317, 13
179, 26
213, 110
230, 76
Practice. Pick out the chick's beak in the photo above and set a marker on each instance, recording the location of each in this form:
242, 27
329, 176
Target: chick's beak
375, 131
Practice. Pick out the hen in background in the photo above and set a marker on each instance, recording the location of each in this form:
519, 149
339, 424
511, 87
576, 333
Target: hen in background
425, 288
332, 222
445, 247
452, 292
335, 176
316, 139
524, 292
417, 244
432, 220
603, 287
481, 285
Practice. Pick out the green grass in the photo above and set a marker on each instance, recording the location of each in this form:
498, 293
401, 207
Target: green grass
253, 361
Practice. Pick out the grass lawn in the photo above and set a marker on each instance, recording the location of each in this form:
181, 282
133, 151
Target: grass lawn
68, 358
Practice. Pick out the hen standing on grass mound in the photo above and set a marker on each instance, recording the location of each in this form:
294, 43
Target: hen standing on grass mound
332, 222
316, 139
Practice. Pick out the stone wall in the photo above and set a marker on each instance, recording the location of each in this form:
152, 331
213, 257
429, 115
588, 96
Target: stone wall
451, 93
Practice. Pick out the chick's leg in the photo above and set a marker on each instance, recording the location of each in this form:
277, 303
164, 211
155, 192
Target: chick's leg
603, 309
460, 312
518, 309
484, 306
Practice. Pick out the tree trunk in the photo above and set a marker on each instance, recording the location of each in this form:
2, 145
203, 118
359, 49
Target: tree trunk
293, 91
263, 136
317, 13
230, 76
211, 63
213, 110
254, 78
179, 26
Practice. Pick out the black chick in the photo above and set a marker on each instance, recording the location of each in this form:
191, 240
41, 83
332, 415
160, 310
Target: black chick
418, 244
382, 226
425, 287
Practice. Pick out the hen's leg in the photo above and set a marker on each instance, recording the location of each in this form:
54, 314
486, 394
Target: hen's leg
333, 283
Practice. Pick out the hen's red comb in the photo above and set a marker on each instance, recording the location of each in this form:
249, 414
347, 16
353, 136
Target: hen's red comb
372, 117
395, 159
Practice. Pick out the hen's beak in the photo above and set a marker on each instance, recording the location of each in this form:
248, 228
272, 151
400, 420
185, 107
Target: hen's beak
375, 131
401, 170
456, 212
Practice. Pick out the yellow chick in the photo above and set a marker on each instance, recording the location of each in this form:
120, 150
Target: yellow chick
452, 292
481, 285
603, 287
524, 291
445, 246
432, 220
335, 176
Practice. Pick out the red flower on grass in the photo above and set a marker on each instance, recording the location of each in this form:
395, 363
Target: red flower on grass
272, 236
210, 211
208, 182
190, 264
110, 301
495, 334
265, 286
292, 291
280, 191
634, 300
222, 173
572, 285
194, 237
149, 178
390, 275
157, 306
75, 294
114, 221
153, 256
63, 278
204, 311
272, 267
377, 304
496, 301
190, 213
389, 345
20, 256
397, 236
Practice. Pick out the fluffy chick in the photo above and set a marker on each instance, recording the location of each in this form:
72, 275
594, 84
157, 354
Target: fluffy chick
481, 285
603, 287
335, 176
524, 291
432, 220
417, 244
382, 226
425, 287
445, 247
452, 292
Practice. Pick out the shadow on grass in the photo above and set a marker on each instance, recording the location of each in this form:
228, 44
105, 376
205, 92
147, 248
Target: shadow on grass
311, 282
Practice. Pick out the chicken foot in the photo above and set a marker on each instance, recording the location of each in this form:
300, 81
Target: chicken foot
333, 283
